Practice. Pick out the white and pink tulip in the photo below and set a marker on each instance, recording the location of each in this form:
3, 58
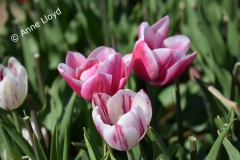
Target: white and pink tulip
13, 84
123, 119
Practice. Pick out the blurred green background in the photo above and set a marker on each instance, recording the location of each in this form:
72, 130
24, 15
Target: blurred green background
212, 26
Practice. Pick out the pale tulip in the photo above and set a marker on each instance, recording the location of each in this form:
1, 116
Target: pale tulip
123, 119
13, 84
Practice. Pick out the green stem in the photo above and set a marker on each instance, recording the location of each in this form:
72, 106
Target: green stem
16, 121
179, 116
130, 155
154, 121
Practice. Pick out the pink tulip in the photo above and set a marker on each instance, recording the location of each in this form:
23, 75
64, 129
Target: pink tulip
103, 71
13, 84
158, 59
123, 119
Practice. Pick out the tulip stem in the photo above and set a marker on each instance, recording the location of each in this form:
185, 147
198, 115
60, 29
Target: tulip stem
234, 77
154, 120
16, 121
179, 116
130, 155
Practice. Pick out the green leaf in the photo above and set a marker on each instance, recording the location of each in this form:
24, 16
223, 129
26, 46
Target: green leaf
55, 152
106, 156
231, 115
233, 153
173, 150
12, 151
143, 157
217, 144
21, 142
80, 145
64, 139
232, 38
156, 139
40, 152
92, 149
66, 143
215, 108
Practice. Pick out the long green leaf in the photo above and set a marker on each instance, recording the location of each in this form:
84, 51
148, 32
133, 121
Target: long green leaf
217, 144
233, 153
40, 152
21, 142
155, 138
64, 139
92, 149
66, 143
55, 152
12, 151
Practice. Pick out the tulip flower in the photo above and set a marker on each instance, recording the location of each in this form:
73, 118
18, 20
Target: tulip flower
13, 84
123, 119
103, 71
158, 59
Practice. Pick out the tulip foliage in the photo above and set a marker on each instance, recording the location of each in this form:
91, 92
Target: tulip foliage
109, 80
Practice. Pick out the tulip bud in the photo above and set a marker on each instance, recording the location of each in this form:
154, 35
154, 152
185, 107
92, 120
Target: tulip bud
13, 84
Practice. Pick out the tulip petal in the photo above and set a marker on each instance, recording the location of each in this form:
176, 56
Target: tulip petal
179, 42
145, 65
146, 34
21, 85
100, 100
85, 66
14, 65
177, 69
148, 109
119, 104
101, 53
128, 60
140, 116
8, 95
113, 66
97, 83
160, 29
163, 57
123, 138
69, 75
74, 59
100, 125
138, 100
1, 72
